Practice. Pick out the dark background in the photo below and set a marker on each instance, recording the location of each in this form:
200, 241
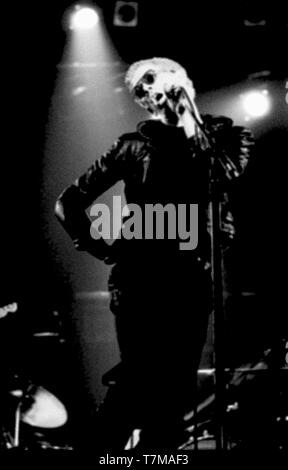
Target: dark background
218, 50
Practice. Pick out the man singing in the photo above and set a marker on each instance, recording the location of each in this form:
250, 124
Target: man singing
160, 294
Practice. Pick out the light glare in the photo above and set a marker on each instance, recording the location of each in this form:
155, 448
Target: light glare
84, 18
256, 103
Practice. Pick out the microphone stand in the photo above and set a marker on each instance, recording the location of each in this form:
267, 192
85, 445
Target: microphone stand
217, 156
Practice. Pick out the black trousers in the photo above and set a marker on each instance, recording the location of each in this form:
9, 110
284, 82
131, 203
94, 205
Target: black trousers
161, 316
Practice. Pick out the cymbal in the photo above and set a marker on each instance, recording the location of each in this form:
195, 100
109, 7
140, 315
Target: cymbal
47, 411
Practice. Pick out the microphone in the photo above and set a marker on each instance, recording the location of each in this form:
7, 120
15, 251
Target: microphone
193, 108
176, 99
176, 92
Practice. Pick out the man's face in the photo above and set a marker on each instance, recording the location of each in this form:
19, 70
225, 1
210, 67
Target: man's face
152, 88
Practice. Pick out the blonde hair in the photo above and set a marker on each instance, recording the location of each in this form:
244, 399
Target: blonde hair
133, 74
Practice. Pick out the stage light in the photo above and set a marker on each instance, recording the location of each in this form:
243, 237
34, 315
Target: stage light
125, 13
256, 103
83, 18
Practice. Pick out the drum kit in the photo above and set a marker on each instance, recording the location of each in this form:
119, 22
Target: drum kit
37, 407
31, 411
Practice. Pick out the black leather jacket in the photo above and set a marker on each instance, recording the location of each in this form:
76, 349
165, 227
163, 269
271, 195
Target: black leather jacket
158, 164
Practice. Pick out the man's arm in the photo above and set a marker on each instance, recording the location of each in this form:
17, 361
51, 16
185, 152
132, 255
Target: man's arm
71, 205
234, 142
233, 145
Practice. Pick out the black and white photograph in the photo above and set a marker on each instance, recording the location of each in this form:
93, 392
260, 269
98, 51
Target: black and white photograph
143, 309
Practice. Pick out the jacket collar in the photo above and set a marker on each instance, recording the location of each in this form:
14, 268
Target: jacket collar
154, 131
